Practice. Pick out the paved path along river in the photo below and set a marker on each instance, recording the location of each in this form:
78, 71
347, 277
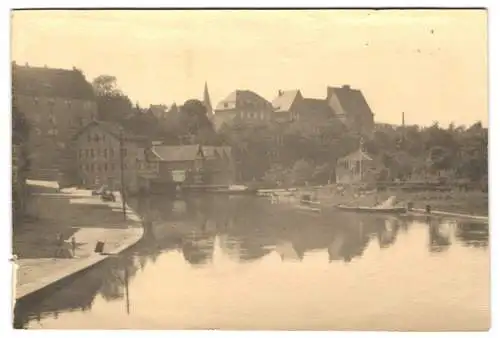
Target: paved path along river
244, 263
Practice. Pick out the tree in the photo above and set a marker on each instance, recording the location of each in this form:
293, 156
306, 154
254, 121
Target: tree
20, 126
302, 172
112, 104
106, 85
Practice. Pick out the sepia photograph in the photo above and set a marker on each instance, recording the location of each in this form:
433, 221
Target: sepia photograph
250, 169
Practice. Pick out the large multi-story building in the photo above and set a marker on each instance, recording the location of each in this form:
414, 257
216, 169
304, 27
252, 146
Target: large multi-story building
99, 147
56, 103
242, 105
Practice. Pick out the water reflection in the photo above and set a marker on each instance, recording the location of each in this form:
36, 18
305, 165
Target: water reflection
245, 230
473, 234
108, 280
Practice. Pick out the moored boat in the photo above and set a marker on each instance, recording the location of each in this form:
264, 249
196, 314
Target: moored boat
384, 210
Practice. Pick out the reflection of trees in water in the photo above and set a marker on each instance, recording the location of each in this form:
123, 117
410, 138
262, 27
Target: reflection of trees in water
473, 234
257, 227
198, 250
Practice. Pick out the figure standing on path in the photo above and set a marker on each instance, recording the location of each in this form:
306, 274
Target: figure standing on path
59, 243
73, 246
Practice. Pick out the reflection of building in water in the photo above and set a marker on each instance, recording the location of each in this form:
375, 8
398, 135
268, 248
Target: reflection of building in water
287, 251
387, 232
439, 236
473, 234
229, 246
334, 249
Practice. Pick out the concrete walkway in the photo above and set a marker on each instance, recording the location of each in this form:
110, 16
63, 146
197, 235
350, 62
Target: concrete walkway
82, 216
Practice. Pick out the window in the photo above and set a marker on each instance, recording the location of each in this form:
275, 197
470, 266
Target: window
86, 153
105, 167
86, 167
92, 167
98, 152
80, 153
89, 137
112, 166
92, 153
105, 153
124, 152
111, 153
103, 138
225, 104
98, 167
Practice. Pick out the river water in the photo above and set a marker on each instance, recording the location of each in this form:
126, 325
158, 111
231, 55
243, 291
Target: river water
246, 263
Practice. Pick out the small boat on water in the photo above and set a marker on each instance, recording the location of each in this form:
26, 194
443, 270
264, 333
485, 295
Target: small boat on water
235, 190
387, 207
388, 210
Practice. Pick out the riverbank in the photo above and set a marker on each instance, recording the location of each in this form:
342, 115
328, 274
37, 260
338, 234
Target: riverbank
460, 202
75, 214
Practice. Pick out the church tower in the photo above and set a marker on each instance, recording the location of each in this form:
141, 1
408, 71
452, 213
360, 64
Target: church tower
207, 103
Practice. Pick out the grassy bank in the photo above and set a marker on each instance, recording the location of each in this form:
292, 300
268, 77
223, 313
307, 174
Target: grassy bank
471, 202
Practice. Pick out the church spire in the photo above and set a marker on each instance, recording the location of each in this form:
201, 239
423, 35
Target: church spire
206, 101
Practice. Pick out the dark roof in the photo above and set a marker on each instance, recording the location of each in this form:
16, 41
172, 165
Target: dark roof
51, 82
316, 107
285, 100
351, 101
240, 99
176, 153
114, 129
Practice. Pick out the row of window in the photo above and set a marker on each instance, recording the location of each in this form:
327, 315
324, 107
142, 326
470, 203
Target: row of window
96, 167
253, 115
92, 153
96, 138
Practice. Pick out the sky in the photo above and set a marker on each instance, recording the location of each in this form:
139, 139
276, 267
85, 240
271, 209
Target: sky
430, 64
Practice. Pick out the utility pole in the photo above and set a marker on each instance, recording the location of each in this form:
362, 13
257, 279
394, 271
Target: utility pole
122, 177
126, 290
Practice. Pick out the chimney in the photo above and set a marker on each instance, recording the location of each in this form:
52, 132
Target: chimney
280, 92
27, 64
346, 87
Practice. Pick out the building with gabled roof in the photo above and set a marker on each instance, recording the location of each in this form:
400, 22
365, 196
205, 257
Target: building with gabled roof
344, 104
194, 164
242, 105
351, 107
286, 105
